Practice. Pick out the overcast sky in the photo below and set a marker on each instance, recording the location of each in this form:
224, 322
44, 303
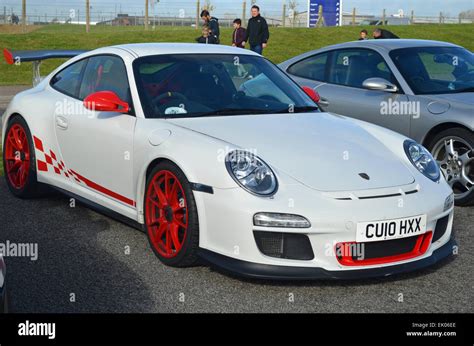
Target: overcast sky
172, 7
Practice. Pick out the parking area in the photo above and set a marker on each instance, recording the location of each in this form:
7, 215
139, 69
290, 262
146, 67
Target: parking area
88, 262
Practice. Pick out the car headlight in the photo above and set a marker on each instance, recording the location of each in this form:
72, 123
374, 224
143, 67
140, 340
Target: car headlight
449, 202
251, 172
422, 159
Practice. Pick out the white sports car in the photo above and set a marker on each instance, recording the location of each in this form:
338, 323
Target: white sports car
218, 155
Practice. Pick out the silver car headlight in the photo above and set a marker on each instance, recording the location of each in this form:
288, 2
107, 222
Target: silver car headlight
422, 159
251, 173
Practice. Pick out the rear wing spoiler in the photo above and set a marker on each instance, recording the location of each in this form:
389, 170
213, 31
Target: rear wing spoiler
36, 57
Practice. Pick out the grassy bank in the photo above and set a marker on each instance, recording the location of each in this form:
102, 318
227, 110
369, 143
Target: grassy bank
284, 42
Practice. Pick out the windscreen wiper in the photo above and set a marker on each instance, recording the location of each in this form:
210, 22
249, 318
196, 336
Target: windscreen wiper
300, 109
467, 90
234, 111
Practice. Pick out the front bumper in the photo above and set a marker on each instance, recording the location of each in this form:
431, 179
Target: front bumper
275, 272
227, 232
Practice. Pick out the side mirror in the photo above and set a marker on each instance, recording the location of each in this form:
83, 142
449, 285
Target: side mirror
106, 101
311, 93
379, 84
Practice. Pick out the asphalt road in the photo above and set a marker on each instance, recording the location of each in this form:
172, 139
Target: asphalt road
83, 253
7, 92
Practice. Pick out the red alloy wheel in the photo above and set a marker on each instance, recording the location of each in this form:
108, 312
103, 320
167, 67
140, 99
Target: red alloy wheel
167, 214
17, 156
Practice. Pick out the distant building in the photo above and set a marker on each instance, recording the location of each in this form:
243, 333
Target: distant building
124, 19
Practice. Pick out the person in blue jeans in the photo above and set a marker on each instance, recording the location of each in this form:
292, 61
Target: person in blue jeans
257, 34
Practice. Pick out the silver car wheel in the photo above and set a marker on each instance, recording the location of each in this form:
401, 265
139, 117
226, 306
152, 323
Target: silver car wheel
455, 157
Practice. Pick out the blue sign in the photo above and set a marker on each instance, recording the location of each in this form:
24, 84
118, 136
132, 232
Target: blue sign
332, 12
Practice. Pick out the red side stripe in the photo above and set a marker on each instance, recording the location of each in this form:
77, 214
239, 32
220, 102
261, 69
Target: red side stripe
104, 190
53, 155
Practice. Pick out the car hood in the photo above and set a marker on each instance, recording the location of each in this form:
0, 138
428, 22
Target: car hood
322, 151
465, 98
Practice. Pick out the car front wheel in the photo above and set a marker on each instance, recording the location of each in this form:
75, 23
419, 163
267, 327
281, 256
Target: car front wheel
453, 149
171, 217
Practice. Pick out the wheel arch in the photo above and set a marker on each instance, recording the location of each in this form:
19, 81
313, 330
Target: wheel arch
143, 177
14, 114
442, 127
8, 120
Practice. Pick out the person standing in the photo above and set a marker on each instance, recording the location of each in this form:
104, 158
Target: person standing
212, 23
238, 36
257, 34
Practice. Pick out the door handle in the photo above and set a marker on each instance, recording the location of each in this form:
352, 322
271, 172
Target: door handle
61, 122
323, 102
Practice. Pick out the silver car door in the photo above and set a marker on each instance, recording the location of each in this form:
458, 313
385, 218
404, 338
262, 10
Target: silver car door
344, 94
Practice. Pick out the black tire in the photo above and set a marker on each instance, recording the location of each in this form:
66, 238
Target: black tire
466, 135
188, 254
31, 188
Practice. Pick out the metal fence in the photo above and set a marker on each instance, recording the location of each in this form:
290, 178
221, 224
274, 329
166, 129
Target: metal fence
284, 15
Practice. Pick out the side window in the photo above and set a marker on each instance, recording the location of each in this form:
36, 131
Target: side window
351, 67
68, 80
105, 73
313, 67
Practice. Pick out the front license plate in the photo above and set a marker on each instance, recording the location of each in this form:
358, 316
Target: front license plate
390, 229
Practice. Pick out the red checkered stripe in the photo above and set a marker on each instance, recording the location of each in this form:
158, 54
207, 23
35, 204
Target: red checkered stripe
50, 161
59, 168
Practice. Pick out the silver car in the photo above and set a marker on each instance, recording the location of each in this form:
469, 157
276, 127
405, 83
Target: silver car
422, 89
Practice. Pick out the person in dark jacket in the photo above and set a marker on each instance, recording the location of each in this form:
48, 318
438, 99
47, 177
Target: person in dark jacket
238, 36
206, 36
257, 31
383, 33
212, 23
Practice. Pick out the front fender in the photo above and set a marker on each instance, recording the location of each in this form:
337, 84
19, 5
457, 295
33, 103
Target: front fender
200, 157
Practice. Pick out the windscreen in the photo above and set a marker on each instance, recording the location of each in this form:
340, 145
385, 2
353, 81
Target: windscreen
196, 85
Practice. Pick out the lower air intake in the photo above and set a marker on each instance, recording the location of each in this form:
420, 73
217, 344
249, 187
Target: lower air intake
441, 226
284, 245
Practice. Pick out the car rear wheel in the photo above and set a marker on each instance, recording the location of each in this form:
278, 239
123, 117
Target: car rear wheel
454, 151
19, 159
171, 217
